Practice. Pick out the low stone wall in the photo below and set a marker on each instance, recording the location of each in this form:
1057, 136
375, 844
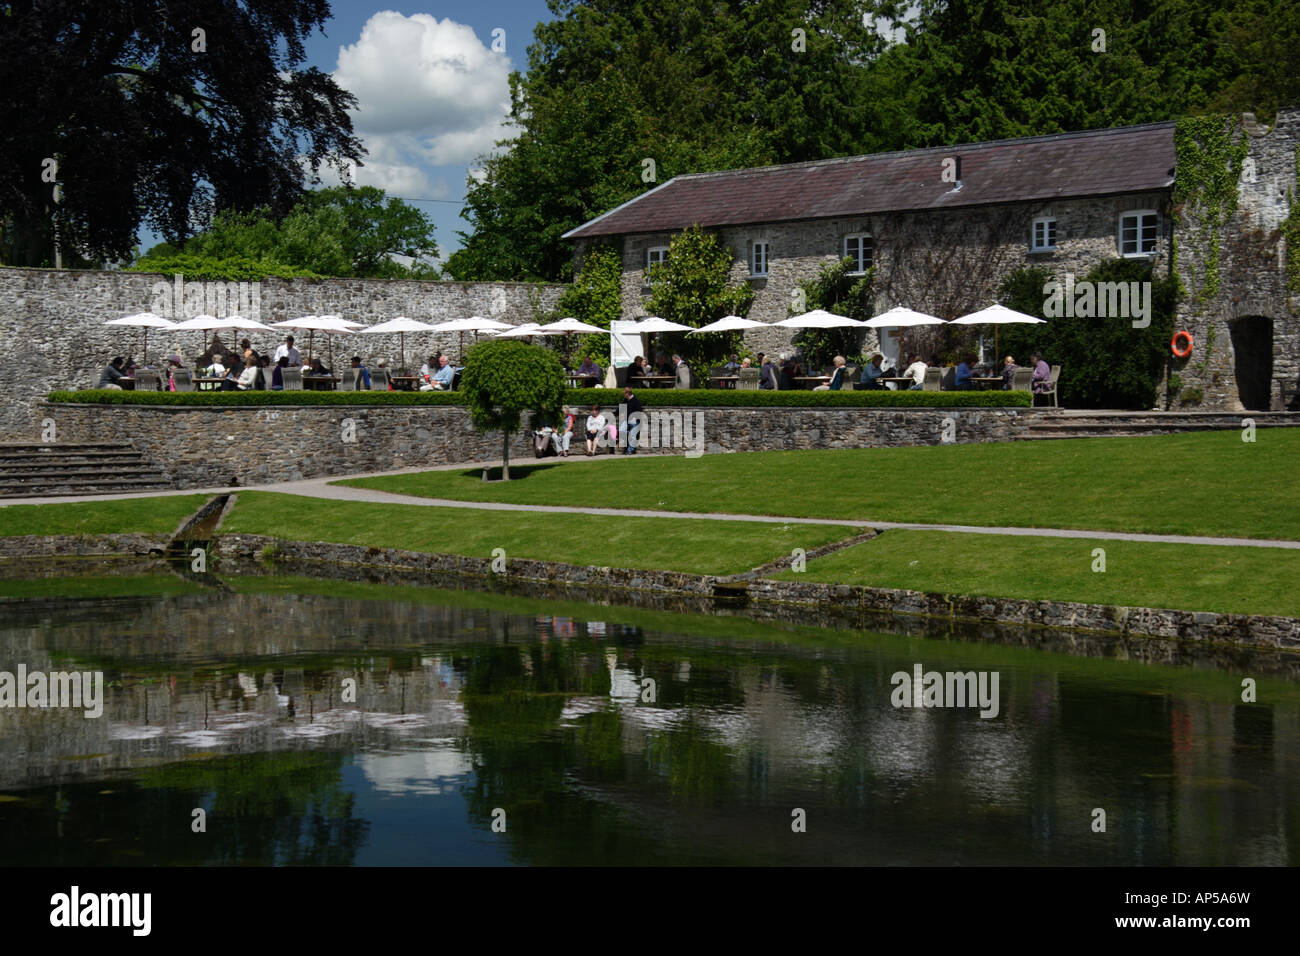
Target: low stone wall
844, 605
216, 447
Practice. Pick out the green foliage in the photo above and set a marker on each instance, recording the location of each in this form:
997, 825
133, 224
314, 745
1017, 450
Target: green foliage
503, 379
147, 130
1290, 228
342, 231
691, 286
228, 268
1207, 170
1105, 362
595, 297
835, 290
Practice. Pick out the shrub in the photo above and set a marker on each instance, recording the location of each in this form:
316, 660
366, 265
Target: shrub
502, 380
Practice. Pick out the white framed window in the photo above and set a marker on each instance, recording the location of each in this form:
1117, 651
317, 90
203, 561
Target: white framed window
1138, 232
860, 250
1042, 236
758, 259
655, 255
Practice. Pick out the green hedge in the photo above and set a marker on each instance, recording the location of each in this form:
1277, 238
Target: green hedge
574, 396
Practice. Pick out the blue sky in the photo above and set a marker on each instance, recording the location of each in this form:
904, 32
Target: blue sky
432, 92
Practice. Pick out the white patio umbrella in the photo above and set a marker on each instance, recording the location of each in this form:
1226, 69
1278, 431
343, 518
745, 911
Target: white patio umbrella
902, 317
570, 326
996, 315
204, 324
527, 330
475, 324
146, 321
652, 323
819, 319
401, 325
728, 323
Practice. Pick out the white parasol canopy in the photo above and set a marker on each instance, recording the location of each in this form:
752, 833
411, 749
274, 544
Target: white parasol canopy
901, 317
728, 323
996, 315
652, 323
818, 319
401, 325
146, 321
523, 331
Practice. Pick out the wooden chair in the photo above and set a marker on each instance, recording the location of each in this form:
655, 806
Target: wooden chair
183, 380
1021, 379
350, 378
379, 380
146, 381
748, 379
933, 380
1051, 384
292, 379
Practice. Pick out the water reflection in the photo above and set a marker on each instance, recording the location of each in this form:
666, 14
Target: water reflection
323, 729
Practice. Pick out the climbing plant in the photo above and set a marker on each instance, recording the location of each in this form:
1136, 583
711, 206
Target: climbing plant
1207, 170
1291, 232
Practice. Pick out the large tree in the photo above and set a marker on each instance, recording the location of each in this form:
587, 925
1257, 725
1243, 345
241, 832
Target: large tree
157, 112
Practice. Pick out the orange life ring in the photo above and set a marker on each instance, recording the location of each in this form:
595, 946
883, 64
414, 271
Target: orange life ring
1173, 343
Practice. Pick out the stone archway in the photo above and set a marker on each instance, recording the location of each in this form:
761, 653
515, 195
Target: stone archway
1252, 348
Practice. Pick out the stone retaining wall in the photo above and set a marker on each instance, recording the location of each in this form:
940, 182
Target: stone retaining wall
822, 602
211, 447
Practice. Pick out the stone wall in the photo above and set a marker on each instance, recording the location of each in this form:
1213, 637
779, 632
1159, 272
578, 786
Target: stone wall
53, 322
1253, 311
217, 447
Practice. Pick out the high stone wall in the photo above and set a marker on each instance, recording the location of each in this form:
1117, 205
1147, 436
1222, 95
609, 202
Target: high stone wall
52, 323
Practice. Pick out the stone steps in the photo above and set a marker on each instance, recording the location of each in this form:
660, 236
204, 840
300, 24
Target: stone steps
77, 468
1081, 425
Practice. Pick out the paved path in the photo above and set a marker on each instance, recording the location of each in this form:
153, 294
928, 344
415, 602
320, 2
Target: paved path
321, 488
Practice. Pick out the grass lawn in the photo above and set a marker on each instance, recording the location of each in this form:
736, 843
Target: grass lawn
161, 515
1209, 483
1186, 577
700, 547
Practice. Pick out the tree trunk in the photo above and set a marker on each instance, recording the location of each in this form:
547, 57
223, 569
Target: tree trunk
505, 456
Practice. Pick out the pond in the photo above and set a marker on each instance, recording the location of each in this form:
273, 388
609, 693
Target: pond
294, 721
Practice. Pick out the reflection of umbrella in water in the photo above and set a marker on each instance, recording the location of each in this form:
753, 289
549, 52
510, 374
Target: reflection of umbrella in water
146, 321
475, 324
401, 325
996, 315
567, 327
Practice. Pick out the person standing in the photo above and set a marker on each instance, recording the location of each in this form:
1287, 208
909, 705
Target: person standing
287, 350
632, 404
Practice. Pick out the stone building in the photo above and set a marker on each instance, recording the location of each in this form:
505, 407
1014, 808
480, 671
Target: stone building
943, 227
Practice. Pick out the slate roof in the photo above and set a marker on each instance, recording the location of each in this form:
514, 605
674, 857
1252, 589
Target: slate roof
1093, 163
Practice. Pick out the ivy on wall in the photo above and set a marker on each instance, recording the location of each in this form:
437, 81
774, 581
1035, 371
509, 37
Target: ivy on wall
1291, 232
1207, 171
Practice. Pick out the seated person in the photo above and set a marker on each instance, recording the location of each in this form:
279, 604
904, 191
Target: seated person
589, 371
277, 373
318, 368
112, 375
731, 365
562, 436
962, 380
251, 377
916, 372
445, 376
596, 425
1041, 382
837, 376
429, 367
1008, 373
217, 369
872, 373
640, 367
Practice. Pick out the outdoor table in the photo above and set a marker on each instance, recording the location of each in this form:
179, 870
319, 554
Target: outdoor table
207, 383
987, 382
903, 382
812, 381
323, 383
725, 381
405, 383
582, 381
127, 384
655, 381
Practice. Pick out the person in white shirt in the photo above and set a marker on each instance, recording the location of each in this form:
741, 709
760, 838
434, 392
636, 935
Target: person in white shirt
916, 372
216, 369
286, 350
248, 377
596, 426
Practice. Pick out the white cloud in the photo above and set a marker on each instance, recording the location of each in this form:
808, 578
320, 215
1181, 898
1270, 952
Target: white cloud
429, 92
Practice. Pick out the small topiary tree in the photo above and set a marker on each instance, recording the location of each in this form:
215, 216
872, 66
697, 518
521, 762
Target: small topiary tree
502, 380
